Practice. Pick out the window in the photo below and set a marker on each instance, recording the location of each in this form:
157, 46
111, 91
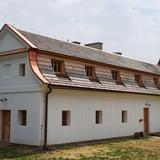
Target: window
98, 117
116, 76
156, 82
22, 117
58, 66
22, 70
66, 115
90, 72
138, 79
124, 116
6, 71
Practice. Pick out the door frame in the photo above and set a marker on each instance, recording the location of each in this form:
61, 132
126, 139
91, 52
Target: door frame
6, 126
146, 120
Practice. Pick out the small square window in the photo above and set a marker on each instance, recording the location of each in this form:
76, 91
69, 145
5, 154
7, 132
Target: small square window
124, 116
156, 82
22, 117
138, 80
22, 70
90, 72
116, 76
66, 116
98, 117
57, 66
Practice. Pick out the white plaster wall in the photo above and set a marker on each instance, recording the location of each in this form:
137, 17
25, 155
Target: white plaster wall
33, 102
0, 125
8, 41
23, 93
13, 82
83, 105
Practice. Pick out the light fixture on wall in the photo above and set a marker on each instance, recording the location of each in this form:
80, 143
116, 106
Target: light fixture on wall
3, 100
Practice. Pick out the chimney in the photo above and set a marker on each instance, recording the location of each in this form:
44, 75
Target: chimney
158, 63
76, 42
118, 53
96, 45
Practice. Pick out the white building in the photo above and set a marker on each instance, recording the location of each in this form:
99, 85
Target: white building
54, 92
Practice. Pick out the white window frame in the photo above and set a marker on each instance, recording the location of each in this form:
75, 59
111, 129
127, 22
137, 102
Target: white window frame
66, 121
20, 118
124, 116
98, 116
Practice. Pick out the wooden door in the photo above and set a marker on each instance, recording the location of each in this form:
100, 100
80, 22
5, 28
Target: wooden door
5, 125
146, 120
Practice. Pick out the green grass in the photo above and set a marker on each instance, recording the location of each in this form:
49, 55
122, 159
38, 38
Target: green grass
123, 149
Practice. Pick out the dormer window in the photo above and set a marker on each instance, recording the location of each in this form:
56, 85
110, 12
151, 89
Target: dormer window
90, 72
58, 66
156, 82
138, 80
116, 76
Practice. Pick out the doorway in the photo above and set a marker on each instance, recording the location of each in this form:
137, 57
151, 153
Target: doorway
6, 125
146, 120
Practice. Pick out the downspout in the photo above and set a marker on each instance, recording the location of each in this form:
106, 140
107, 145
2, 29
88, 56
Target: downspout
46, 118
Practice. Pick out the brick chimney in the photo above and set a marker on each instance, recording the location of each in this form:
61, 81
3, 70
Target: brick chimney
76, 42
96, 45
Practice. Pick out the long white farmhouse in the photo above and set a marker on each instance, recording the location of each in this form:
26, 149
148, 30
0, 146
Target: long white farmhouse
54, 92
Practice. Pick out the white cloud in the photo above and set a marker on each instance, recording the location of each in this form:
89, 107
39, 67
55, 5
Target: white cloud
128, 26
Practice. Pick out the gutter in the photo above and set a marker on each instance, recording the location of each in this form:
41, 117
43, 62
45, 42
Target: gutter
46, 118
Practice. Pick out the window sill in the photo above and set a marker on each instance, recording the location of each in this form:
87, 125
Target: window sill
22, 126
141, 85
66, 126
93, 79
119, 82
61, 75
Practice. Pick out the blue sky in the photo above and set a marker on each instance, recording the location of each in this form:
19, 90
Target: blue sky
128, 26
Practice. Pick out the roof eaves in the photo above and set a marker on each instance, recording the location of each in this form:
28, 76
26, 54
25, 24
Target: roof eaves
56, 86
21, 36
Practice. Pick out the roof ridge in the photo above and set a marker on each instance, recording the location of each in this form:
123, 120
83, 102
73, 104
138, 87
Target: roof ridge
51, 44
90, 48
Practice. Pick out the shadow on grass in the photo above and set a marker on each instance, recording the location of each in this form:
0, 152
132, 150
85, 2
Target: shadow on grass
12, 151
95, 142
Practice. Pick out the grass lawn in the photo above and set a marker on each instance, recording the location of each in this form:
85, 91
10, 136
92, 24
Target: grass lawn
123, 149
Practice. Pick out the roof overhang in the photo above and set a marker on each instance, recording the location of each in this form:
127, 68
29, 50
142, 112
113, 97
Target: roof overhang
97, 90
14, 31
